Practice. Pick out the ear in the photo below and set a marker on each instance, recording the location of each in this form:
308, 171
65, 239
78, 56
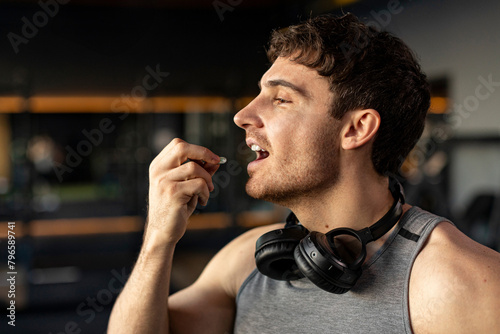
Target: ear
360, 127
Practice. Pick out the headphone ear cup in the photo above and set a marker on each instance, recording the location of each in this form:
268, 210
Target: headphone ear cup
274, 253
314, 273
276, 261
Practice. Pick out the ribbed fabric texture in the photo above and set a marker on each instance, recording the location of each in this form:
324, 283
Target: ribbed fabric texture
378, 304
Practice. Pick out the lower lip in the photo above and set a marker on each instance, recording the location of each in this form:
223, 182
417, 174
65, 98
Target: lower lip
254, 164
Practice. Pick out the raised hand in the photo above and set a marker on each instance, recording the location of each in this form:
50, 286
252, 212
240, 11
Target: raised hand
180, 177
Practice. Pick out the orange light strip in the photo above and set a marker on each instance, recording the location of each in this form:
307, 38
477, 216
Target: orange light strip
17, 228
84, 226
165, 104
106, 104
129, 224
71, 104
11, 104
249, 219
190, 104
209, 221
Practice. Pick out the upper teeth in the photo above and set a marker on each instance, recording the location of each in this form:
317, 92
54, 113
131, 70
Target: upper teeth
257, 148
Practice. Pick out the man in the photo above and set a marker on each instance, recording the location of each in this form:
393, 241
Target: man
339, 109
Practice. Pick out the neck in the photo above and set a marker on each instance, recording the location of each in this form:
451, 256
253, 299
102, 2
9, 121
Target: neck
355, 202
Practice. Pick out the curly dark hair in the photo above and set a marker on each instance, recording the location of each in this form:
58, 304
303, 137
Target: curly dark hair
366, 69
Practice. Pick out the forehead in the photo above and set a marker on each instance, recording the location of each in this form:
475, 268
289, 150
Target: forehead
299, 75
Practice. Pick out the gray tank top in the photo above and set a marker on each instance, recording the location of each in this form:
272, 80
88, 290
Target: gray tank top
378, 303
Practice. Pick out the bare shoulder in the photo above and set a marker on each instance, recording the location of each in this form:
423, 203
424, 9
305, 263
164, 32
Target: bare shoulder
236, 260
454, 285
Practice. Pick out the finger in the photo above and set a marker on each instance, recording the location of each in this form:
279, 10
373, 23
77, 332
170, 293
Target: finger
196, 191
191, 170
209, 167
192, 203
178, 151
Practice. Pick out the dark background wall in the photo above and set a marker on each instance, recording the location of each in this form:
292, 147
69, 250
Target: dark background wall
78, 236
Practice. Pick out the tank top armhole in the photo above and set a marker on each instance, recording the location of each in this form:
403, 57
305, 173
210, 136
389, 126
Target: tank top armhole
424, 234
245, 283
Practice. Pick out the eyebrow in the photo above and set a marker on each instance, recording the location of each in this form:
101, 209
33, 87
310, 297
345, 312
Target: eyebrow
284, 83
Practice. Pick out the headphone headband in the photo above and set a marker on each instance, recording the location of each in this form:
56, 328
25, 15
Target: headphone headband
392, 216
383, 225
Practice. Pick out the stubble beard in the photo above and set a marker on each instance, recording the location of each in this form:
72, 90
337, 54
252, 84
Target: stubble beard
287, 190
297, 179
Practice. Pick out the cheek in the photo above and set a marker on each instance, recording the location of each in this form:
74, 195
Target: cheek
320, 142
308, 136
295, 139
280, 134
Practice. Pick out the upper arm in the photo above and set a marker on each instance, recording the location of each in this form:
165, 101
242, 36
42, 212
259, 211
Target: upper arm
208, 305
454, 285
201, 308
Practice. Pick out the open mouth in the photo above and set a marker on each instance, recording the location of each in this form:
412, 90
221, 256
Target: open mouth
261, 153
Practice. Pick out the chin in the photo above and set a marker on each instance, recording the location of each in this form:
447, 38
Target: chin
271, 192
258, 190
254, 190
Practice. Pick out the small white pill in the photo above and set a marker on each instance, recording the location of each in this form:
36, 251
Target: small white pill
223, 160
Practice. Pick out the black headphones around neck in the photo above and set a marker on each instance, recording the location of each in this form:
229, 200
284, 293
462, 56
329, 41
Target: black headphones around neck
331, 261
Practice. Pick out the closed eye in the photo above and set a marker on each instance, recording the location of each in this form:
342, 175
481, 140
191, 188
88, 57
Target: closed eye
279, 100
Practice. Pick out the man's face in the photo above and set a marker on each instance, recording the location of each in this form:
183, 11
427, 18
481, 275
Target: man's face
295, 138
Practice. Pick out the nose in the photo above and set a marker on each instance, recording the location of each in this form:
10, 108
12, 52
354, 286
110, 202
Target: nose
248, 116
